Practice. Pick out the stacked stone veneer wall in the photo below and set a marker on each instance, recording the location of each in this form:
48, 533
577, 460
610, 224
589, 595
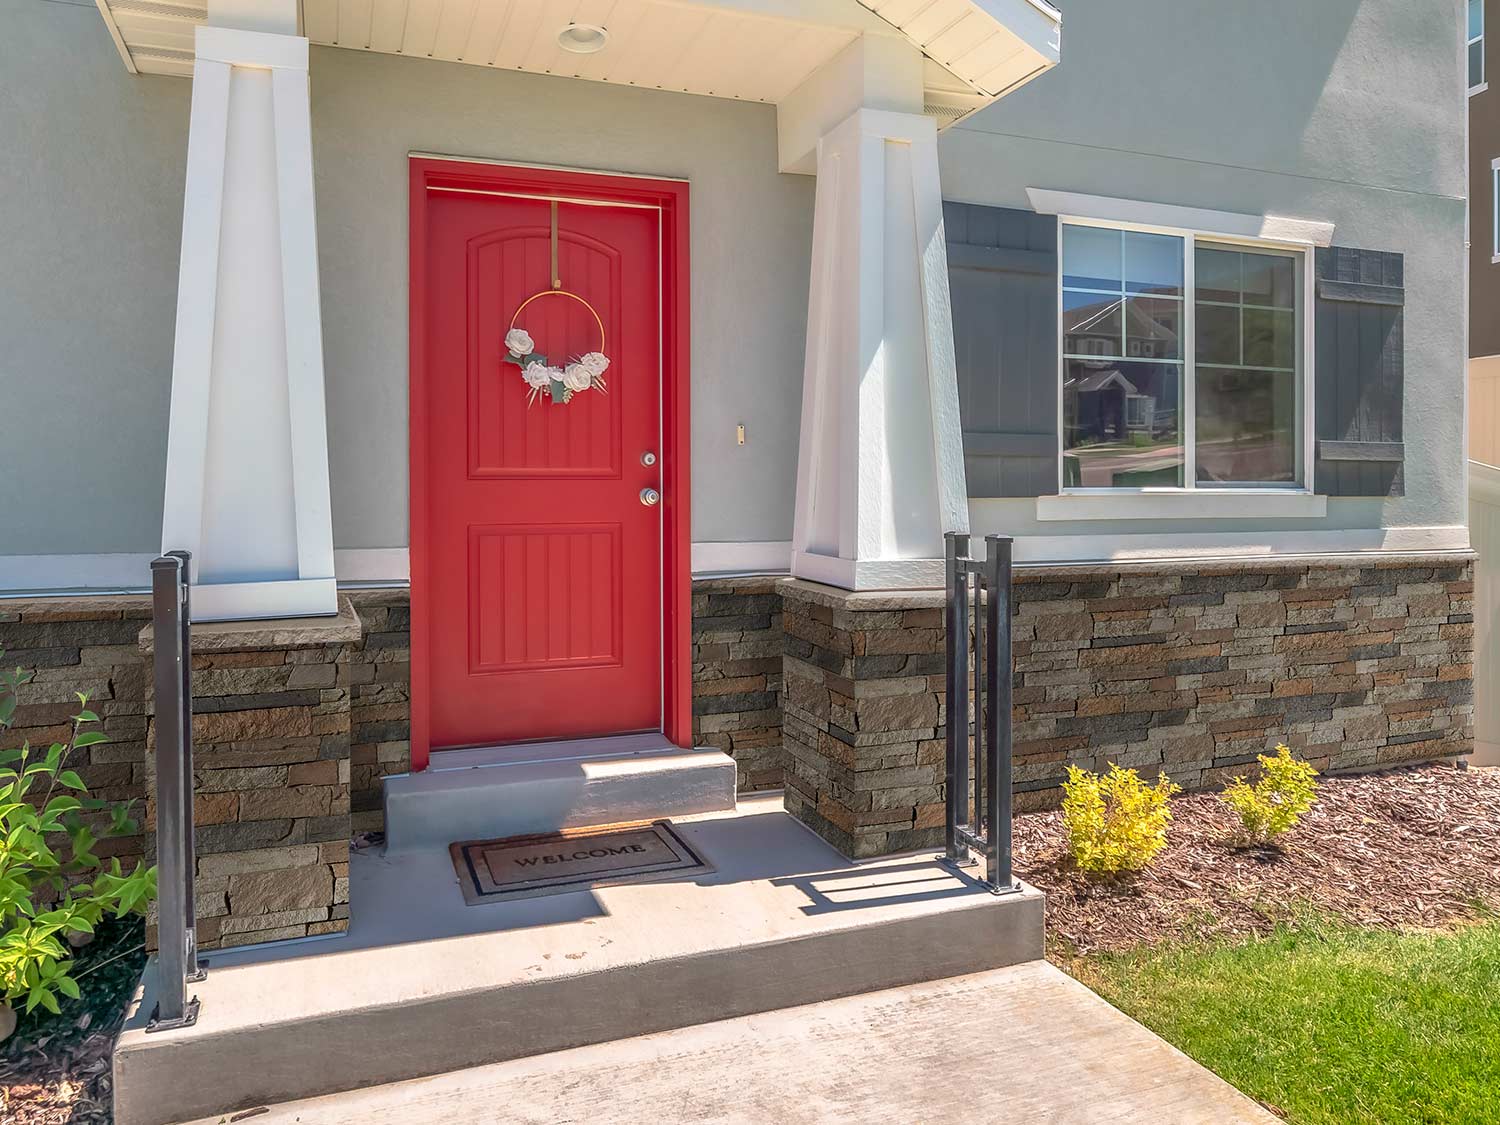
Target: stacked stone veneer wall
84, 644
378, 671
863, 694
737, 653
1188, 669
1197, 670
271, 726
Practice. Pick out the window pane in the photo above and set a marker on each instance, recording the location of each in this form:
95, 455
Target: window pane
1476, 63
1218, 275
1153, 263
1270, 279
1246, 427
1218, 334
1091, 324
1270, 338
1091, 258
1153, 328
1121, 424
1476, 18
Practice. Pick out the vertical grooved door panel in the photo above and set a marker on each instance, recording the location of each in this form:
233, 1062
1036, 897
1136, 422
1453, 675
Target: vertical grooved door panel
546, 578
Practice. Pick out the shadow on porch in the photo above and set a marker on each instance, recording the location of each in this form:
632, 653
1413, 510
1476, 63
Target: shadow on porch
423, 984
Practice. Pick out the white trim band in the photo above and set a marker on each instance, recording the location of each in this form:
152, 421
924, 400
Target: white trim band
50, 574
742, 558
1230, 546
1271, 228
1172, 504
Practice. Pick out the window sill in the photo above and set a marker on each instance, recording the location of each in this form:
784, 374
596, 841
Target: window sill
1181, 503
1481, 88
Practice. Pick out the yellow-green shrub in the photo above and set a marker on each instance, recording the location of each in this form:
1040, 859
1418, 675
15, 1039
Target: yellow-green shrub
1276, 802
1115, 822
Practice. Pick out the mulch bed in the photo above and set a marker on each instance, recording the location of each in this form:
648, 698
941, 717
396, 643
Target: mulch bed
1414, 847
55, 1070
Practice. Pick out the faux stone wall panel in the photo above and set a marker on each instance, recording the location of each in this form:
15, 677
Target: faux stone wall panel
378, 673
271, 744
84, 644
737, 672
1191, 670
1194, 670
865, 708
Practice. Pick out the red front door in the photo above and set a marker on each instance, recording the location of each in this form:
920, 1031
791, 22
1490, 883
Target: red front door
543, 564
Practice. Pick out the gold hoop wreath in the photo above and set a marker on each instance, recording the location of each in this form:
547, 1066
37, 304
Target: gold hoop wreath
585, 373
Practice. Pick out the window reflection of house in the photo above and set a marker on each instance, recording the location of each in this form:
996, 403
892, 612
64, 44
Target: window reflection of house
1100, 414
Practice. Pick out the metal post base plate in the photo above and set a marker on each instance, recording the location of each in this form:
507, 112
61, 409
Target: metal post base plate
1001, 888
189, 1017
960, 864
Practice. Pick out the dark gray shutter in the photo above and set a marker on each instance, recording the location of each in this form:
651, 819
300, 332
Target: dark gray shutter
1358, 373
1002, 271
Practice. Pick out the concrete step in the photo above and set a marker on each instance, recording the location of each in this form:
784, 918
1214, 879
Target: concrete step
1022, 1044
423, 984
543, 787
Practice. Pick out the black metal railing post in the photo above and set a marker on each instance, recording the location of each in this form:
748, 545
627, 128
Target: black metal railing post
956, 547
986, 824
999, 683
177, 947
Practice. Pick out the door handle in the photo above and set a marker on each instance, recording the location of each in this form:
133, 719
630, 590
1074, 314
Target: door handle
650, 497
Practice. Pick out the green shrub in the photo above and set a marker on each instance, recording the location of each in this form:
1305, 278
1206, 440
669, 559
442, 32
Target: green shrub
51, 883
1276, 802
1115, 822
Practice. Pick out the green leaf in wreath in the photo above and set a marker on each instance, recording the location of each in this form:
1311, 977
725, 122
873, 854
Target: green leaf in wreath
558, 390
511, 357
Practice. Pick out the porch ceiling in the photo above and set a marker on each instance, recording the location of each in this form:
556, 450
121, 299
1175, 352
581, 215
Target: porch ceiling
753, 50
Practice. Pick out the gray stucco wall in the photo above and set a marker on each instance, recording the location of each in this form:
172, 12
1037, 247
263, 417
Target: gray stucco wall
1347, 111
90, 221
90, 224
751, 240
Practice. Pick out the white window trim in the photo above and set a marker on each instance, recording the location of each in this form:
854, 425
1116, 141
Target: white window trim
1188, 501
1495, 211
1137, 214
1484, 78
1180, 503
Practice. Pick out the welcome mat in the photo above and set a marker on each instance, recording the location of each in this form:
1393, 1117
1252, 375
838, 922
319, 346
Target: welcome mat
574, 860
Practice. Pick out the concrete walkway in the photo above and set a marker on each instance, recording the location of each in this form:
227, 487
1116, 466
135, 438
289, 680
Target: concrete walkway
1016, 1045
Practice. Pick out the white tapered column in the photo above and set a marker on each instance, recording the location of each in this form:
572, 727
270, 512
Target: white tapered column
247, 450
880, 474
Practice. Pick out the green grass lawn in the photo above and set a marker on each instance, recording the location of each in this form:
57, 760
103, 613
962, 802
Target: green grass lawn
1327, 1023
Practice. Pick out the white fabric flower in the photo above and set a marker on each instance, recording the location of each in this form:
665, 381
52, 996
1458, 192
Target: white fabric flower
538, 375
519, 342
577, 377
596, 362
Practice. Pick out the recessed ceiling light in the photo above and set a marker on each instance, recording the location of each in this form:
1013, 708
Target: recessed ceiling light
582, 38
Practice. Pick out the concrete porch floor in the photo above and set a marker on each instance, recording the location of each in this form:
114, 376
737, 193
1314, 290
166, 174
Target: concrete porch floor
423, 984
1021, 1044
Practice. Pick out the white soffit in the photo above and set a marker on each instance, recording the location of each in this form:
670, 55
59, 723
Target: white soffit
991, 45
752, 50
721, 50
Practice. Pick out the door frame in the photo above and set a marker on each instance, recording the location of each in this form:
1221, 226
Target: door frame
670, 197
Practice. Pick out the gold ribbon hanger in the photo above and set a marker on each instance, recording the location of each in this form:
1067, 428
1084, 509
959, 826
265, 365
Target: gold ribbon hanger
557, 289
